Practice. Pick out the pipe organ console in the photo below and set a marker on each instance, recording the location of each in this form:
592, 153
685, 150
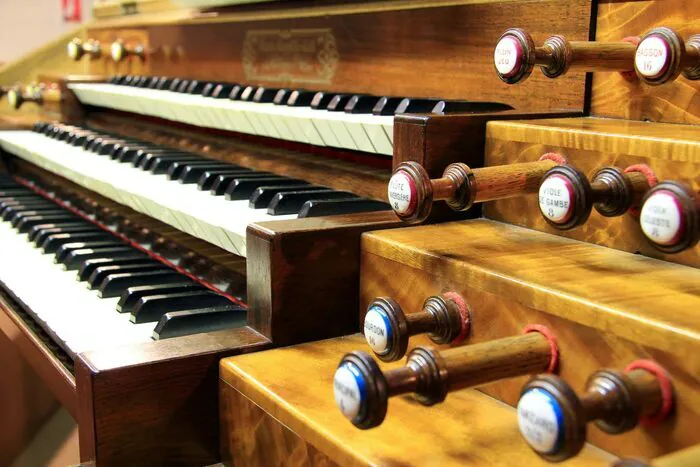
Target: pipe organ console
245, 199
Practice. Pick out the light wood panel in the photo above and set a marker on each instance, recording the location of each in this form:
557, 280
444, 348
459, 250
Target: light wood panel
606, 307
672, 151
614, 96
294, 388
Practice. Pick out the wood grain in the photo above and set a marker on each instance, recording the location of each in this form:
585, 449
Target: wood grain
303, 275
606, 307
155, 404
470, 428
672, 152
614, 96
375, 48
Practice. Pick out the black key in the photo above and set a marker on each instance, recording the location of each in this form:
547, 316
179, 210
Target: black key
301, 98
183, 323
332, 207
447, 107
132, 295
38, 233
177, 167
222, 182
164, 83
17, 216
196, 87
208, 89
207, 179
28, 222
128, 153
222, 91
182, 86
88, 266
20, 200
191, 173
397, 105
76, 257
321, 100
262, 195
10, 191
361, 104
241, 188
291, 202
237, 92
337, 103
248, 93
281, 97
18, 205
151, 308
144, 160
14, 215
53, 241
160, 165
64, 250
116, 284
102, 272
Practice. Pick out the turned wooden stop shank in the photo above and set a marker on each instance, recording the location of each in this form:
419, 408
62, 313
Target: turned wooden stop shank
477, 364
490, 183
599, 404
585, 56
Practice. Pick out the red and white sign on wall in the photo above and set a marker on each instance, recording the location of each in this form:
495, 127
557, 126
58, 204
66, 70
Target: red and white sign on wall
71, 11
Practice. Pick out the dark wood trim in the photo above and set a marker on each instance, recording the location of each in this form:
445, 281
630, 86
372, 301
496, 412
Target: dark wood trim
36, 351
303, 275
155, 403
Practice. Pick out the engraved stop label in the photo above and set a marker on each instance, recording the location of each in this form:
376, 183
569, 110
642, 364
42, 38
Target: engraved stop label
377, 330
540, 420
347, 391
651, 59
661, 218
402, 193
555, 198
506, 57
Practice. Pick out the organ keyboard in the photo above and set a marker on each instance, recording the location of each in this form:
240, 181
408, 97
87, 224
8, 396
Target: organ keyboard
226, 180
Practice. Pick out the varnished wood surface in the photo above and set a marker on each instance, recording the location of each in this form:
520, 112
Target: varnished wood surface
155, 404
25, 402
303, 275
672, 151
293, 386
368, 51
37, 349
606, 307
614, 96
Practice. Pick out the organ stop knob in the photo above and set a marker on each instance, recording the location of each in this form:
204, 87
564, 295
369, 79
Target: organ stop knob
670, 217
553, 419
77, 49
516, 55
387, 328
412, 193
120, 51
566, 197
662, 55
362, 390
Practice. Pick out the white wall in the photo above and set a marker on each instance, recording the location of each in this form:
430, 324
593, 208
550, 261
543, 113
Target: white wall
28, 24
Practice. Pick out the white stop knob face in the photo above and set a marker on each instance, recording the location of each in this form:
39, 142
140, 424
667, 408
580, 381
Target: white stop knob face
661, 218
117, 51
402, 193
348, 389
507, 56
556, 198
651, 59
12, 98
378, 330
73, 50
540, 420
